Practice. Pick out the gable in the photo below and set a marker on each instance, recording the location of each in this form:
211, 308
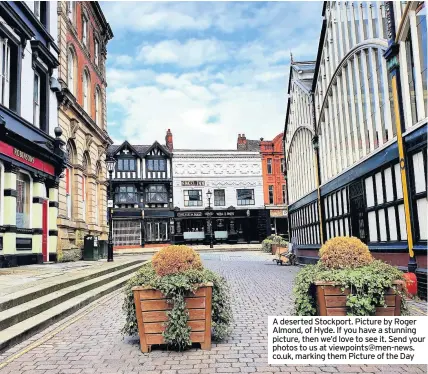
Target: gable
157, 150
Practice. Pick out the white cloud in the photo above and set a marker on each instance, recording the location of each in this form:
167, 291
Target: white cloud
207, 71
193, 52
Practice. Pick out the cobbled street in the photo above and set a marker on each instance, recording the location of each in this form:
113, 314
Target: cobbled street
94, 344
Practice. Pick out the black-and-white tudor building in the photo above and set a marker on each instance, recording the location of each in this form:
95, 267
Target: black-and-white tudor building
142, 193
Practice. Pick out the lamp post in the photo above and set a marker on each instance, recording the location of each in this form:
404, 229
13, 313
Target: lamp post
210, 223
111, 163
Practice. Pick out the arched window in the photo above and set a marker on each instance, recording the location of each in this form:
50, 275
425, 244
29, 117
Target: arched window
71, 64
86, 92
98, 107
71, 10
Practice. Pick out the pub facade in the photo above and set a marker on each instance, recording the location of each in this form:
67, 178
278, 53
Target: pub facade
32, 155
218, 192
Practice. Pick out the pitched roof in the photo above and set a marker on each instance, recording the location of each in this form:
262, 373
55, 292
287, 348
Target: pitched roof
253, 145
141, 149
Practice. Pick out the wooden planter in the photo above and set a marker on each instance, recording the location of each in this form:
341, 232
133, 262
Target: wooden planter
331, 301
273, 247
151, 307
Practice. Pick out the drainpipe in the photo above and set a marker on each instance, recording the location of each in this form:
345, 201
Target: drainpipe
393, 66
315, 144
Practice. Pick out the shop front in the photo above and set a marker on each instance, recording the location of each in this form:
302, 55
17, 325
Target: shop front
29, 175
128, 228
158, 226
279, 221
227, 226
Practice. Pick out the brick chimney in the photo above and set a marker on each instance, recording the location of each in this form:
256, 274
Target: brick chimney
168, 140
242, 143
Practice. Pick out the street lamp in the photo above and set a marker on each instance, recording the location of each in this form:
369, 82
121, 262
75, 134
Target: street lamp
111, 164
210, 223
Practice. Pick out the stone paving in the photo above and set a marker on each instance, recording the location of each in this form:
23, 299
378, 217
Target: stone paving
94, 344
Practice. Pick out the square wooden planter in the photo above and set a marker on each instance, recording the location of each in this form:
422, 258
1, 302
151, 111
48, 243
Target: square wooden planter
151, 307
331, 301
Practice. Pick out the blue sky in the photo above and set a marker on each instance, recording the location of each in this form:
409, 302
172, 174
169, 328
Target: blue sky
206, 70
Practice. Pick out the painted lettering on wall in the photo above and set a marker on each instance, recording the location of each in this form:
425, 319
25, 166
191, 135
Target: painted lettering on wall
193, 183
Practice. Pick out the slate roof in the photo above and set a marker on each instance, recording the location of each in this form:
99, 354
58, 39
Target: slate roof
141, 149
253, 145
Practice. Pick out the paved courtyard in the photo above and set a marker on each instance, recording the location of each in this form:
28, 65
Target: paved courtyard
90, 340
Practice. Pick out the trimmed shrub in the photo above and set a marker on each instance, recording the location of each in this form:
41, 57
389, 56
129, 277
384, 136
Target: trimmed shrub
267, 245
176, 259
345, 252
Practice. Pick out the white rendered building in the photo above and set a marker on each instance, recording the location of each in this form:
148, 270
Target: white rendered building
235, 181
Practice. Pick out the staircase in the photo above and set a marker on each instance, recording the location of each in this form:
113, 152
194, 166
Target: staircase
27, 311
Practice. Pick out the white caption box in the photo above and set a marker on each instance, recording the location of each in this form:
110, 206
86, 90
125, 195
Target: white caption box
347, 340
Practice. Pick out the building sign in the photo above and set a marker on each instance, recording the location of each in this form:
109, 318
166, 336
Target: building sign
278, 213
189, 214
17, 152
213, 213
192, 183
26, 159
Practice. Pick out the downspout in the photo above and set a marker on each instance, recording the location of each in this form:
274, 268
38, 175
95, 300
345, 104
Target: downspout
315, 144
393, 65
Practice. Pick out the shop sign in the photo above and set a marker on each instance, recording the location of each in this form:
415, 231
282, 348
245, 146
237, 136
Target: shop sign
210, 214
278, 213
18, 153
189, 214
25, 158
192, 183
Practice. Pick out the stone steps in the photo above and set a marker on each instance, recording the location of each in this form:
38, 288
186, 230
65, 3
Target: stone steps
36, 308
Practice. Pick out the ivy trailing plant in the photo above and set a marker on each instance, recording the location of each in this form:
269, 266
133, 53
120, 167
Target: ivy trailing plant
175, 286
353, 268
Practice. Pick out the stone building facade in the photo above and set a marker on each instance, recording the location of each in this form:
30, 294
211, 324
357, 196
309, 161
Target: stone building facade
83, 34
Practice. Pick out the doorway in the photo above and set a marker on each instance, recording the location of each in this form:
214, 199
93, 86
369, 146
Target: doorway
358, 211
157, 231
45, 207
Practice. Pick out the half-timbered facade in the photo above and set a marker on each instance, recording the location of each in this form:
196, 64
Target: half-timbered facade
142, 194
356, 151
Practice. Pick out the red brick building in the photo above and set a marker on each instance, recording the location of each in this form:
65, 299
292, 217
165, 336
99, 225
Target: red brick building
275, 193
83, 34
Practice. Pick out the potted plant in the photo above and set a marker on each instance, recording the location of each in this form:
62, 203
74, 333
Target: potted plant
347, 280
272, 242
174, 300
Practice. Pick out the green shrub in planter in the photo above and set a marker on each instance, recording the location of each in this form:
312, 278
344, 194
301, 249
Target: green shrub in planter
272, 239
367, 283
175, 286
267, 245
